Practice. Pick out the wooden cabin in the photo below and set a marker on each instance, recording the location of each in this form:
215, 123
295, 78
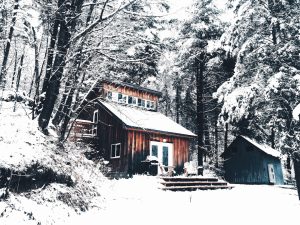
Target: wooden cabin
249, 162
122, 122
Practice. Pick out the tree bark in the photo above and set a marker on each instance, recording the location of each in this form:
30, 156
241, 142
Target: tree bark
226, 137
50, 52
19, 77
296, 160
199, 64
7, 47
68, 13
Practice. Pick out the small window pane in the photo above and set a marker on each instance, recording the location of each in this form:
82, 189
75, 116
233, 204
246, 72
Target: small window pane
134, 100
118, 150
148, 104
152, 106
120, 96
154, 150
129, 99
113, 151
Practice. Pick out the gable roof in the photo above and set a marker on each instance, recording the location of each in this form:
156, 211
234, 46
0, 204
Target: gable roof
263, 147
142, 119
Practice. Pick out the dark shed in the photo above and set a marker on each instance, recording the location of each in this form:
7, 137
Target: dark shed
248, 162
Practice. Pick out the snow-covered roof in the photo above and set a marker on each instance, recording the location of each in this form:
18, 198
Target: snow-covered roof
263, 147
143, 119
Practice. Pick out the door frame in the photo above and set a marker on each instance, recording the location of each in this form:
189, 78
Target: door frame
271, 173
160, 146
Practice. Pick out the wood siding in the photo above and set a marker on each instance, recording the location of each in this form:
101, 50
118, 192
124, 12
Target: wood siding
127, 91
246, 164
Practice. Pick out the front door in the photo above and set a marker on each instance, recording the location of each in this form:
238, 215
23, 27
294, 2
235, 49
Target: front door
163, 151
271, 173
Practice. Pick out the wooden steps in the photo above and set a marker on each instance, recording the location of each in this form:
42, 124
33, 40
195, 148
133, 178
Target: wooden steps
192, 183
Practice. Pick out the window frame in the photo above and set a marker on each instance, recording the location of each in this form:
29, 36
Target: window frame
115, 151
95, 125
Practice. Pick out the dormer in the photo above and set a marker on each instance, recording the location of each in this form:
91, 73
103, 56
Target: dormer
129, 94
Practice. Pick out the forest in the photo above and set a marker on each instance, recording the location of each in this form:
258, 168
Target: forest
225, 68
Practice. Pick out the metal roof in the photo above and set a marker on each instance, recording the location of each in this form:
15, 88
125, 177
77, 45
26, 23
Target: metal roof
143, 119
263, 147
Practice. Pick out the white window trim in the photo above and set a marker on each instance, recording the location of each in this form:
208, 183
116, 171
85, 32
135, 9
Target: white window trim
111, 151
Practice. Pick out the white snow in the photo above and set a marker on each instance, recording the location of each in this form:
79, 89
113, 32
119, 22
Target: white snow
296, 112
263, 147
139, 201
148, 120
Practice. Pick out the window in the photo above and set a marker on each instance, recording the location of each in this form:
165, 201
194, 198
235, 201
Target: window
139, 102
143, 103
120, 97
152, 105
148, 104
95, 121
115, 150
109, 95
124, 99
134, 100
130, 100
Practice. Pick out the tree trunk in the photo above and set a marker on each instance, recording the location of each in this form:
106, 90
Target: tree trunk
177, 99
15, 67
69, 13
199, 63
296, 160
7, 47
226, 137
216, 138
19, 77
54, 82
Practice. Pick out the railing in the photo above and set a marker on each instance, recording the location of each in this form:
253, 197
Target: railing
83, 129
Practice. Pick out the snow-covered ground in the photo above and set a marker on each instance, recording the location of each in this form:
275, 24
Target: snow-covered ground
139, 201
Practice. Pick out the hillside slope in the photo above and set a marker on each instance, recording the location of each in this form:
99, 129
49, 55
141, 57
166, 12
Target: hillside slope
41, 183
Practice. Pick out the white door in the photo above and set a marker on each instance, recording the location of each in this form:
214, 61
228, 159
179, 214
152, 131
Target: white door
163, 151
271, 173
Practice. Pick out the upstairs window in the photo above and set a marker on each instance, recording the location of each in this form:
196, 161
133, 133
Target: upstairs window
109, 95
130, 100
134, 100
152, 105
115, 150
148, 104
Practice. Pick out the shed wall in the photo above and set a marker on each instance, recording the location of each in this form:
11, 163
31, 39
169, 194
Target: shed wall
249, 165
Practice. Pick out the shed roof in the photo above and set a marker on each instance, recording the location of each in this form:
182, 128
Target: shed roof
263, 147
143, 119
